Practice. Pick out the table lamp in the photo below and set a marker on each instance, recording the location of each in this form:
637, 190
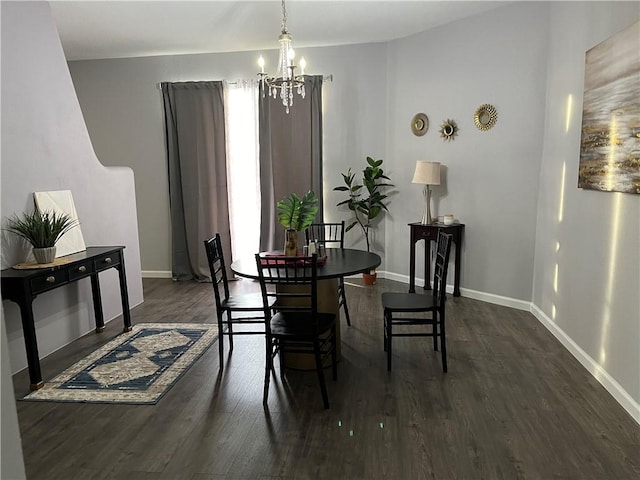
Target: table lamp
427, 173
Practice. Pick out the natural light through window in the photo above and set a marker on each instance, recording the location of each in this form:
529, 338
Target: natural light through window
614, 143
613, 243
243, 171
568, 116
562, 180
611, 275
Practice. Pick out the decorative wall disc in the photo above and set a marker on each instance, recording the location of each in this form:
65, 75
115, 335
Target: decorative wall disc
448, 130
485, 117
419, 124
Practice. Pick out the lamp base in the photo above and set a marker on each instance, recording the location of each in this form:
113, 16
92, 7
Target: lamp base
426, 216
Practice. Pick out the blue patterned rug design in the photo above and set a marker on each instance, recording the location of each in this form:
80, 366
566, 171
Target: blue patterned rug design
136, 367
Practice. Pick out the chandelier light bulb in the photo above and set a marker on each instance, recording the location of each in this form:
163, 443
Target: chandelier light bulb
261, 64
303, 64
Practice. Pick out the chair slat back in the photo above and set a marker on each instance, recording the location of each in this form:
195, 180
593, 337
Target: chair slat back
443, 249
327, 233
291, 281
215, 257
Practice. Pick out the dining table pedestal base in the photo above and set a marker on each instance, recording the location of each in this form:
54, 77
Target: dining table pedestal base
328, 302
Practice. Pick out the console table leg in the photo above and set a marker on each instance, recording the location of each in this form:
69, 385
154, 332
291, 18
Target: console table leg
124, 294
456, 283
31, 345
97, 303
412, 267
427, 265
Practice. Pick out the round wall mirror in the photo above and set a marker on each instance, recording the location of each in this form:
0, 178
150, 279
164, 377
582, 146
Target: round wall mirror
448, 130
485, 117
419, 124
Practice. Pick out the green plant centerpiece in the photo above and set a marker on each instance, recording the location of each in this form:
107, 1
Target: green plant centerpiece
42, 230
365, 198
295, 214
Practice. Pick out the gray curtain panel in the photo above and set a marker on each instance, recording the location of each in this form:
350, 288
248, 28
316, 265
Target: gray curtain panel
195, 137
290, 155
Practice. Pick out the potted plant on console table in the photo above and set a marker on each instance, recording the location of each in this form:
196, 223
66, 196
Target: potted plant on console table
366, 204
295, 214
42, 230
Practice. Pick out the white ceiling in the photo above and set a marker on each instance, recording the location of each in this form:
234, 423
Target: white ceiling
115, 29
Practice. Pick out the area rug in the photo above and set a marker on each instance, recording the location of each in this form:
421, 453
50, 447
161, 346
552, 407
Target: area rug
137, 367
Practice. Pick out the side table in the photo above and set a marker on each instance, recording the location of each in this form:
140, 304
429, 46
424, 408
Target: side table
429, 233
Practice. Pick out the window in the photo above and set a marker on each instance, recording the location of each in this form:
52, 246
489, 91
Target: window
243, 166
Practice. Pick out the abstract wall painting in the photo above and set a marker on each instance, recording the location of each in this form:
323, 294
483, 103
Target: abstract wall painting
610, 143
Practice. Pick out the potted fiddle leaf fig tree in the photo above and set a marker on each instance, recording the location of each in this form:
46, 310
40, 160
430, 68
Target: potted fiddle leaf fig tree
295, 214
365, 200
42, 230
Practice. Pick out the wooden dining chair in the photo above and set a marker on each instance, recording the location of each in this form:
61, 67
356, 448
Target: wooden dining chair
399, 306
332, 235
294, 324
227, 306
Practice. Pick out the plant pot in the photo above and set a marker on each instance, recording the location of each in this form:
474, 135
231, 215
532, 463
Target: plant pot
45, 255
369, 278
290, 243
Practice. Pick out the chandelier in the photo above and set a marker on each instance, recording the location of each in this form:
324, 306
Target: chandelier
285, 80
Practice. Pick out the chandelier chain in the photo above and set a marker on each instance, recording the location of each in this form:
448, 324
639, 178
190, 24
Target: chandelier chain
284, 18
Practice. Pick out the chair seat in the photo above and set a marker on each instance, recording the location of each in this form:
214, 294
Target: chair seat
300, 325
244, 301
408, 302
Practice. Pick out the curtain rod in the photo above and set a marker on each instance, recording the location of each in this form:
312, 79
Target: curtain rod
325, 78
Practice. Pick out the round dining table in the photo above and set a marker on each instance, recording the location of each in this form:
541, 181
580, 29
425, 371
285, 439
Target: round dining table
340, 262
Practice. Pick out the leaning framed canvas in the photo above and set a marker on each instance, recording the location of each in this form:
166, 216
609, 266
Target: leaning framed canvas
61, 201
610, 142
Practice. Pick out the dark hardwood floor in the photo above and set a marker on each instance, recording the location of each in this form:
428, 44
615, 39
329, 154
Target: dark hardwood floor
515, 404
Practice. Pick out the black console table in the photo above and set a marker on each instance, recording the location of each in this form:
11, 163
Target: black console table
429, 233
23, 286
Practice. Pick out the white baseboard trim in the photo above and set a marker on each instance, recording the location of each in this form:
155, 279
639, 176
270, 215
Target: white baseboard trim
155, 274
496, 299
466, 292
599, 373
399, 278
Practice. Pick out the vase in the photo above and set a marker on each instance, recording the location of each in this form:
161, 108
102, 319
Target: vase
290, 243
45, 255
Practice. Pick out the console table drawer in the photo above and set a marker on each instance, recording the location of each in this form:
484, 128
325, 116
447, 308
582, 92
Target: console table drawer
427, 234
82, 270
107, 261
48, 281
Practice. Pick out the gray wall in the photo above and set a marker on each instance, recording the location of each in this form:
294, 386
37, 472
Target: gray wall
122, 107
46, 146
587, 257
491, 181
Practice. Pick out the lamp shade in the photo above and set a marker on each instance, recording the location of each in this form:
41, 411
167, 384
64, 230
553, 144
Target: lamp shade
427, 173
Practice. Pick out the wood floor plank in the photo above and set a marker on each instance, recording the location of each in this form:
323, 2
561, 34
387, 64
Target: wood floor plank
514, 405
